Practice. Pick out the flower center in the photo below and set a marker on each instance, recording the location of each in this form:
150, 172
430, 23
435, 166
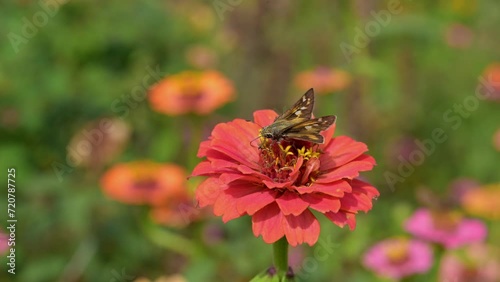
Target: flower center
289, 160
397, 251
145, 184
145, 176
446, 221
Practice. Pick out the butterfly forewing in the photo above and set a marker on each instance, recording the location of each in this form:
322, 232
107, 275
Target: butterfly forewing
296, 123
302, 109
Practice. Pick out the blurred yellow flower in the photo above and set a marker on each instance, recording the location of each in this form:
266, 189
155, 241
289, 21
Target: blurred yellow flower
191, 92
323, 80
483, 202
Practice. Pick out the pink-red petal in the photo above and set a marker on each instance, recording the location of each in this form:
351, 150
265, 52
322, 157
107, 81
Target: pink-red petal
208, 191
340, 151
233, 139
341, 219
359, 186
249, 198
322, 202
336, 188
349, 170
225, 207
268, 222
291, 203
303, 228
264, 117
202, 150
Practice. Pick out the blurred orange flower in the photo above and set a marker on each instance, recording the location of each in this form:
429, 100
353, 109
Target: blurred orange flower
145, 182
496, 140
191, 91
483, 202
491, 85
324, 80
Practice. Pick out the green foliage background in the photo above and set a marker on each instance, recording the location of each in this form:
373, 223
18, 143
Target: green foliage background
90, 54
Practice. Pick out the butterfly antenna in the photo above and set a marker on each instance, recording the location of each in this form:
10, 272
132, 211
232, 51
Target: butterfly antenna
251, 142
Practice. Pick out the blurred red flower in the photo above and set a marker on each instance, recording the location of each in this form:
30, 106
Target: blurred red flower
324, 80
191, 92
278, 183
145, 182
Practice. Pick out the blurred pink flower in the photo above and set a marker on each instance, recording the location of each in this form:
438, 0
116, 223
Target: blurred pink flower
458, 36
447, 228
3, 243
475, 263
399, 257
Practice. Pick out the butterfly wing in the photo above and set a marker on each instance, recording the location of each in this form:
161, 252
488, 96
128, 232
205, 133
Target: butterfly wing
302, 109
309, 130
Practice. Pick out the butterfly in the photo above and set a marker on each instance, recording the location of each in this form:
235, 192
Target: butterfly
297, 122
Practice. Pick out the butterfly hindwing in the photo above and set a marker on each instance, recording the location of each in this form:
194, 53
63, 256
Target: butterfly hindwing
309, 130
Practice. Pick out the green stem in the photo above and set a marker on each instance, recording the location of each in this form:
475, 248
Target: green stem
196, 128
280, 249
171, 241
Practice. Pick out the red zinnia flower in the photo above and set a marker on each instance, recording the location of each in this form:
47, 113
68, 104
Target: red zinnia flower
278, 183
